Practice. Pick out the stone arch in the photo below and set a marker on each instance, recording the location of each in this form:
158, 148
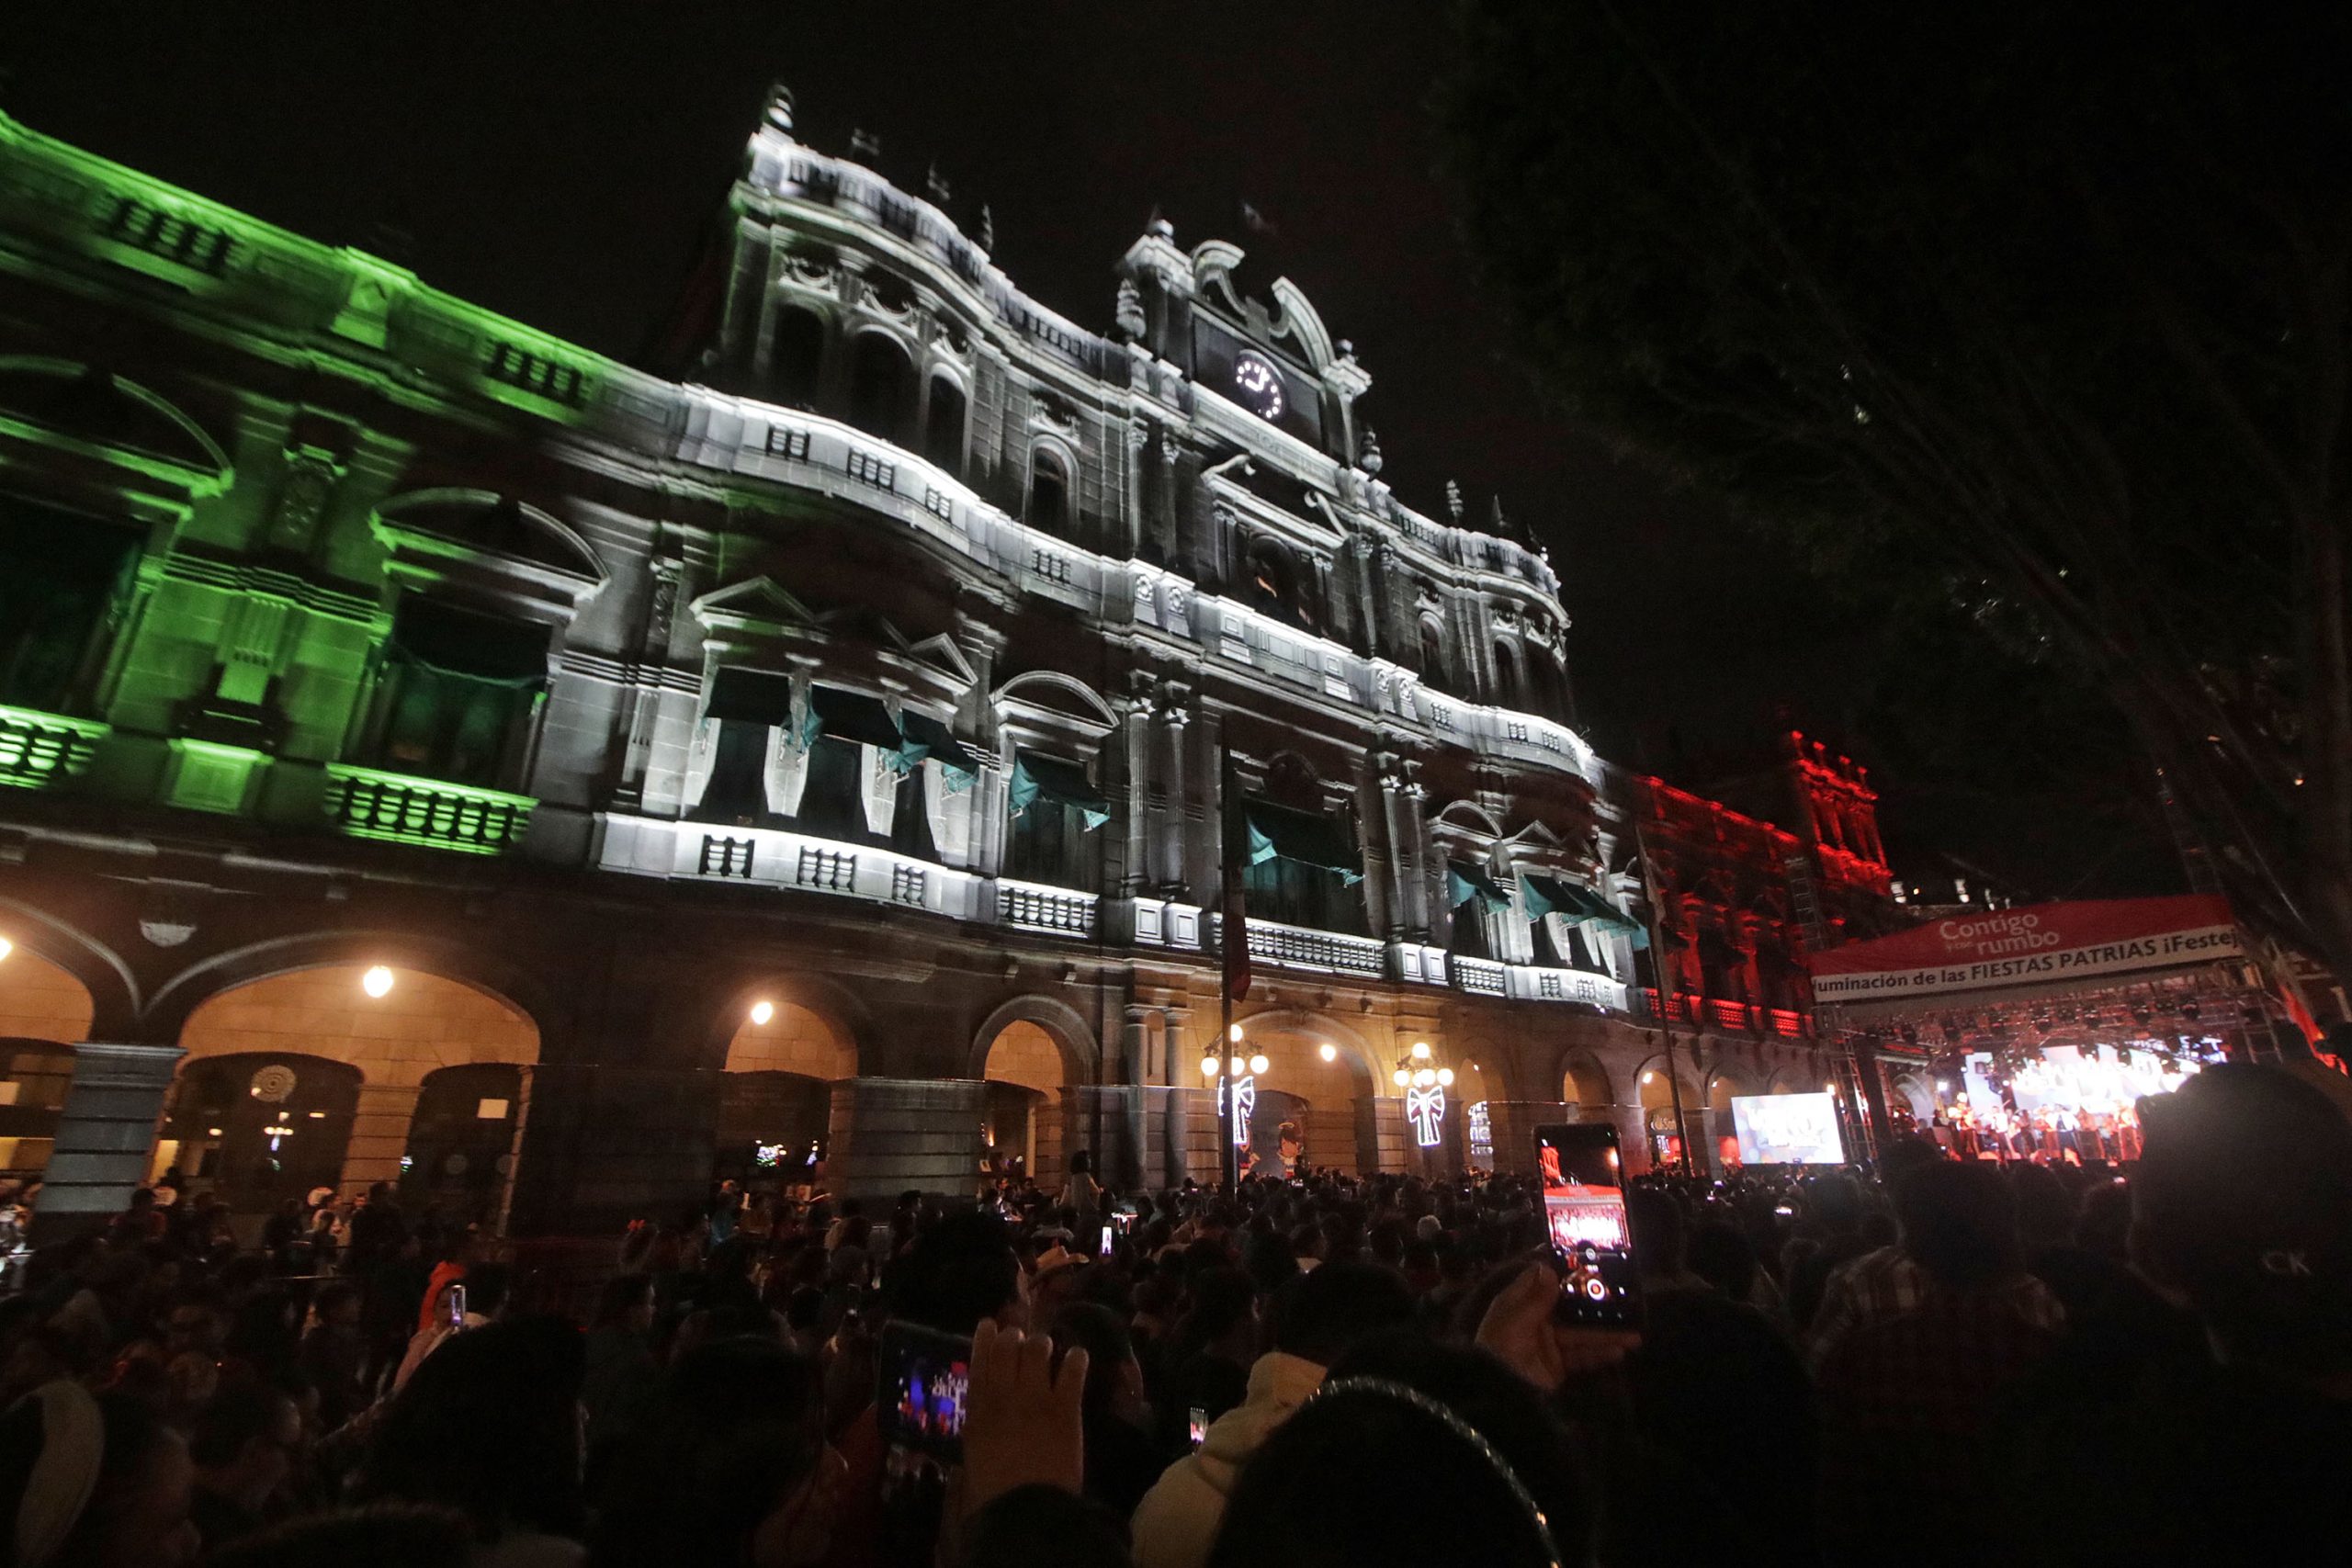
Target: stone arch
1583, 1083
1027, 1052
1061, 1023
1654, 1091
1336, 1103
773, 1117
304, 1028
882, 387
42, 1000
477, 966
44, 1013
831, 1004
113, 991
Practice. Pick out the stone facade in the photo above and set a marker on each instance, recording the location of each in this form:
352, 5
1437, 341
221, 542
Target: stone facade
822, 742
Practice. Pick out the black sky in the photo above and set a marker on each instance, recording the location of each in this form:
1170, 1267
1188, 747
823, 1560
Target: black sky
558, 163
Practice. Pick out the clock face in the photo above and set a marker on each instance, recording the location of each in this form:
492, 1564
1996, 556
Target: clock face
1258, 385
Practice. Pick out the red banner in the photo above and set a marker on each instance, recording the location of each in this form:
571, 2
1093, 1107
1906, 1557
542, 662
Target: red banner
2043, 944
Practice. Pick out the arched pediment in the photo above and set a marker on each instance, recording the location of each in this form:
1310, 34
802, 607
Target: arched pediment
1057, 692
1468, 814
492, 541
97, 409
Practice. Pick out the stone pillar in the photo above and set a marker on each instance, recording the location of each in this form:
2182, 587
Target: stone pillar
609, 1143
891, 1135
1383, 1138
1115, 1112
1142, 831
1138, 1043
1170, 835
1193, 1134
378, 1136
105, 1133
1633, 1136
1182, 1067
1155, 1115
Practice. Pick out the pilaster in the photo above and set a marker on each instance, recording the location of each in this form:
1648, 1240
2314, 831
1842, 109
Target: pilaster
105, 1134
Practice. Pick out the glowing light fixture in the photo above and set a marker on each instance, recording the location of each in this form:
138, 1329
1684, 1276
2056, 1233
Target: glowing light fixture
1402, 1078
1446, 1078
1259, 1064
761, 1011
1329, 1052
1236, 1067
7, 947
1649, 1078
1233, 1033
1208, 1066
1420, 1050
377, 982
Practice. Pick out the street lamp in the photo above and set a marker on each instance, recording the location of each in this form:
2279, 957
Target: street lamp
1424, 1085
377, 982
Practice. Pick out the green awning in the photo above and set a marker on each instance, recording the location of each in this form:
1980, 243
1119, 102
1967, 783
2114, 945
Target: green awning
928, 740
750, 697
850, 716
450, 641
1465, 881
1550, 895
1057, 783
1306, 837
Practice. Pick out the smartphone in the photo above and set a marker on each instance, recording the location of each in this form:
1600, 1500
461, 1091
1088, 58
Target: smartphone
1584, 1210
457, 1293
1103, 1248
925, 1379
1196, 1426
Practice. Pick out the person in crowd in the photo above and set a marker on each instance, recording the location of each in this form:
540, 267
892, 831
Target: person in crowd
731, 1466
623, 1373
1082, 1194
1123, 1458
92, 1482
490, 1426
484, 1286
244, 1444
1320, 1316
334, 1355
1212, 1349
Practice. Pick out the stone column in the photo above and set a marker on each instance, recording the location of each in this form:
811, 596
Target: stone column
105, 1134
1138, 873
1115, 1112
1170, 832
1633, 1136
379, 1135
1383, 1138
1181, 1065
609, 1143
1138, 1044
890, 1134
514, 1151
1191, 1136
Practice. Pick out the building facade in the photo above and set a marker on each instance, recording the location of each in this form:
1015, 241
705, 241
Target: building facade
446, 756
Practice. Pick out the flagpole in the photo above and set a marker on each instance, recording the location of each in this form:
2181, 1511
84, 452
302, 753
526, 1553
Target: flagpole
1664, 1004
1234, 932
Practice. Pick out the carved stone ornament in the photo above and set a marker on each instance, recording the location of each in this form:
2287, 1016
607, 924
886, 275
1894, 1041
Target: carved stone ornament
167, 933
273, 1085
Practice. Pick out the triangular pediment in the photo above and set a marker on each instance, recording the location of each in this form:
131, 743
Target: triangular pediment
756, 603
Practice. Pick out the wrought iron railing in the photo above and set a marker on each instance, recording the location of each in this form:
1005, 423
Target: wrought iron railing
369, 804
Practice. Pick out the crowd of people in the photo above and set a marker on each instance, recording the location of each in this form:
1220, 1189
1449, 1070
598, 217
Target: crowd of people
1942, 1360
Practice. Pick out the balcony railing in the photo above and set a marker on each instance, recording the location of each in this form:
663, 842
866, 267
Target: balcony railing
41, 749
1303, 947
1568, 986
1480, 976
367, 804
1039, 908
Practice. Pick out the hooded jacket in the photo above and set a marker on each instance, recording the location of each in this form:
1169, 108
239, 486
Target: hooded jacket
1177, 1522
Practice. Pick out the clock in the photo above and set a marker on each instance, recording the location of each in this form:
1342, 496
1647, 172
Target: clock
1259, 385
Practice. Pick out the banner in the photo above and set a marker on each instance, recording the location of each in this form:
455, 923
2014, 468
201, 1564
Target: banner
2044, 945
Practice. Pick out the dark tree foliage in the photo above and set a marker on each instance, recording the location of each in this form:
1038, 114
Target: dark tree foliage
2033, 316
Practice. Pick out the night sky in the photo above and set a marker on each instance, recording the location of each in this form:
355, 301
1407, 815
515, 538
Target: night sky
560, 164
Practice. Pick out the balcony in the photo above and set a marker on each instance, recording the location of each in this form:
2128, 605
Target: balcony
1030, 907
1543, 985
40, 751
1480, 976
771, 857
367, 804
1302, 947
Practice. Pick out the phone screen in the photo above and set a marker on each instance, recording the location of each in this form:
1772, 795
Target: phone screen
1583, 1210
456, 1294
1104, 1249
1196, 1426
926, 1377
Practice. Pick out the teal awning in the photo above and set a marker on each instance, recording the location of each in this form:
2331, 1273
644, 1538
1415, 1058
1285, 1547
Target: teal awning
927, 740
1550, 895
1306, 837
1057, 783
450, 641
1465, 881
750, 697
850, 716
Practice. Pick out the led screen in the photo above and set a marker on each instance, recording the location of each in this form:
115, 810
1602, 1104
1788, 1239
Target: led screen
1788, 1129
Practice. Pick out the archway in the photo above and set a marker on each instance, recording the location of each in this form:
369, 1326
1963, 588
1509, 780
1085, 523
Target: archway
1584, 1088
1656, 1090
44, 1012
775, 1101
295, 1043
1318, 1078
1722, 1130
1023, 1111
1469, 1122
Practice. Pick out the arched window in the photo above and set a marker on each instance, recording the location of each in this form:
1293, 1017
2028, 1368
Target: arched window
1048, 505
943, 434
1508, 689
880, 388
1433, 653
1271, 579
799, 361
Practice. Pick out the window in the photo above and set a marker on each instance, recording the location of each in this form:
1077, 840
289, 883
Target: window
1432, 654
943, 434
1305, 870
458, 688
62, 575
880, 389
1048, 505
1056, 811
799, 358
843, 725
746, 710
1508, 689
